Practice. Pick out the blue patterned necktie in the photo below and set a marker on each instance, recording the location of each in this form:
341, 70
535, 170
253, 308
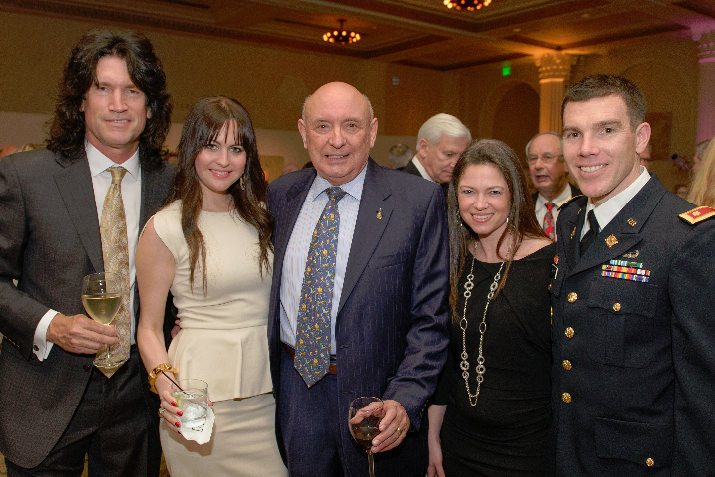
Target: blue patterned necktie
312, 336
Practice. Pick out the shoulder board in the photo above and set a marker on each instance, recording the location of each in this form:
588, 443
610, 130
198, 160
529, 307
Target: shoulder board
698, 214
570, 200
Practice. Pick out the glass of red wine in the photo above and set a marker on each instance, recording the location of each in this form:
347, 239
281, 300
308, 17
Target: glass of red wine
364, 418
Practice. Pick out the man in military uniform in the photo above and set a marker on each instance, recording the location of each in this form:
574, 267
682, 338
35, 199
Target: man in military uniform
632, 294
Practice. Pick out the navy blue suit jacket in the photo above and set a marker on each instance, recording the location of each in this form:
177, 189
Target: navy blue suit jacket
634, 362
391, 327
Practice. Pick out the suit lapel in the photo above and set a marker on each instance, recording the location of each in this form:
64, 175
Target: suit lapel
368, 227
570, 234
285, 216
74, 182
150, 199
622, 233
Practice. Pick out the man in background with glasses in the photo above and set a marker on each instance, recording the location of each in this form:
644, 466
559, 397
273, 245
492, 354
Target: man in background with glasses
550, 177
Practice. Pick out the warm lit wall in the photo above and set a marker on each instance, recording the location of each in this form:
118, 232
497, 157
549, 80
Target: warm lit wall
272, 83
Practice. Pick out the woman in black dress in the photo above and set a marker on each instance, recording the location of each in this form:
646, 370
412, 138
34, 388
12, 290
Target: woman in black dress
491, 413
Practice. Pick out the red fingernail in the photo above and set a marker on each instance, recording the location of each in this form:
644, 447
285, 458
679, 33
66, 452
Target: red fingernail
173, 403
178, 424
180, 413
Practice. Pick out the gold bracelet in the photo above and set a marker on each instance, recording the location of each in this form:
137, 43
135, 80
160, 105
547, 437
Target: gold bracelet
156, 371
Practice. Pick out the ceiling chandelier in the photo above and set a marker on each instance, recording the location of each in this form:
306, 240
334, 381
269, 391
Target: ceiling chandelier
469, 5
341, 35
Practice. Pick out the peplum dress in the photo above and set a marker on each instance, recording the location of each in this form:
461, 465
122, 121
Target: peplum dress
223, 341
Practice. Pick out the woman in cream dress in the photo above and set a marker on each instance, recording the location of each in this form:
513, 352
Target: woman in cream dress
210, 246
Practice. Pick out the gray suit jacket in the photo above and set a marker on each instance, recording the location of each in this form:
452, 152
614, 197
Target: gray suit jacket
49, 239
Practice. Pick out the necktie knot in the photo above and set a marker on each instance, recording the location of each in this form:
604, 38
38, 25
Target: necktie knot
593, 222
550, 206
117, 174
593, 230
335, 194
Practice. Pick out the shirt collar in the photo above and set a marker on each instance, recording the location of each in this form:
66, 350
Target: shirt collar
421, 168
353, 188
564, 196
608, 210
99, 163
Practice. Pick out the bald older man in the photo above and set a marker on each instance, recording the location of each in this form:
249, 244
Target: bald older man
359, 296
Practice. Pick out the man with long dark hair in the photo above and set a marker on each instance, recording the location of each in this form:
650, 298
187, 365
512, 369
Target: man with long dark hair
73, 209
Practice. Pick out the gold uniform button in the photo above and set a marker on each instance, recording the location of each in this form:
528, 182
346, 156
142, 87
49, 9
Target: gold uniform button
569, 332
572, 297
616, 306
566, 364
566, 397
649, 462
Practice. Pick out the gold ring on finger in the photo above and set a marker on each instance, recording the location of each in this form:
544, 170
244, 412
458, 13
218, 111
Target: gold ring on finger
399, 431
161, 412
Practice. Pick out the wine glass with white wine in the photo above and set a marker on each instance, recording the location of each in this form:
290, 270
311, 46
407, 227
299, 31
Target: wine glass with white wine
364, 420
101, 297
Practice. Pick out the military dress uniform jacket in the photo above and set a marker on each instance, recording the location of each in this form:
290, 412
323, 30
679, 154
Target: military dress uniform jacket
634, 347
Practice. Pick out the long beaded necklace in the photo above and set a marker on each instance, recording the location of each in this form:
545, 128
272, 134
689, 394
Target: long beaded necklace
480, 368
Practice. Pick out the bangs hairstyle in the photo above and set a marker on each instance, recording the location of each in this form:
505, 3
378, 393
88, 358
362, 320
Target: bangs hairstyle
207, 119
598, 86
522, 221
67, 127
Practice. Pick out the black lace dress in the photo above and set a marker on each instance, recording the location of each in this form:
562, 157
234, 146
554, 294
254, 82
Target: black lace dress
506, 433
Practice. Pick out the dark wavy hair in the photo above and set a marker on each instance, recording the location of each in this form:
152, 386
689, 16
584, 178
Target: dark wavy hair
522, 221
600, 85
67, 127
203, 124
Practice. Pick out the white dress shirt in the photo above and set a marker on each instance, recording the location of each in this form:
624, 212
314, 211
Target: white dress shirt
608, 210
296, 253
131, 196
421, 169
559, 200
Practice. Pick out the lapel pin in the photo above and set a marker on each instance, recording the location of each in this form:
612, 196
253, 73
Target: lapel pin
632, 222
379, 214
573, 232
611, 240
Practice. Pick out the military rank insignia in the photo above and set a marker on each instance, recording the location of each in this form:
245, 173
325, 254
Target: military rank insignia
698, 214
625, 270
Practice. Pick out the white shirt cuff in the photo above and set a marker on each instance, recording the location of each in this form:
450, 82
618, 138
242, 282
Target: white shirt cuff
40, 346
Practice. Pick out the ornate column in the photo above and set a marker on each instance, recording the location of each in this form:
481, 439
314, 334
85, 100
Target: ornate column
554, 69
706, 83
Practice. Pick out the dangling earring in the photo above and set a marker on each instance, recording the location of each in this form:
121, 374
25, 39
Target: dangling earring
241, 183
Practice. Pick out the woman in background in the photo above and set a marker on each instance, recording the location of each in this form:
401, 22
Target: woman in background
493, 419
210, 246
702, 189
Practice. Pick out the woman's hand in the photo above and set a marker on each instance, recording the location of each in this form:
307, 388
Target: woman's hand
435, 469
435, 414
169, 411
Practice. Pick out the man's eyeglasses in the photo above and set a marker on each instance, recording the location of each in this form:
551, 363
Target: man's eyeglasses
545, 158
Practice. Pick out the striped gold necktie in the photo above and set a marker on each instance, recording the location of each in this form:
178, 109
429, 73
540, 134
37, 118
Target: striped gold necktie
115, 252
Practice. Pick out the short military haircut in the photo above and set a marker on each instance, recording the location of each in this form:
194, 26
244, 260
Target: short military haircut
598, 86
